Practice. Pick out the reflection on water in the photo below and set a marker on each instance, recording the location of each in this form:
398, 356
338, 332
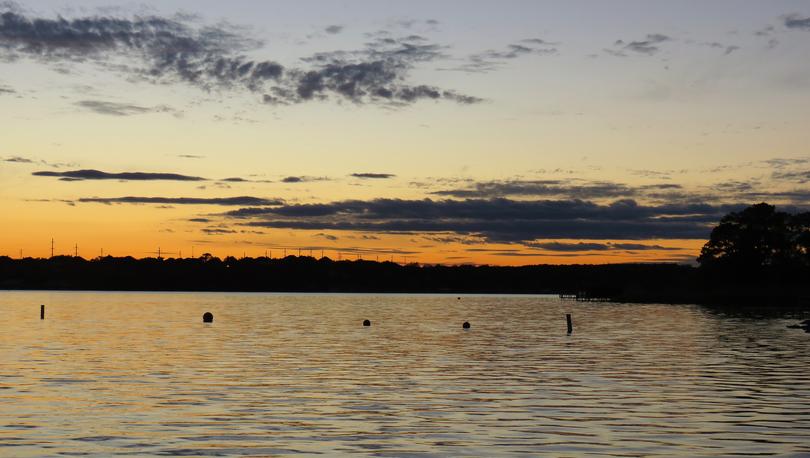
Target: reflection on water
140, 374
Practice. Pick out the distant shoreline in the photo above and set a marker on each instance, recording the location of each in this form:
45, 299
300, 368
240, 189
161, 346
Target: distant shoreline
625, 283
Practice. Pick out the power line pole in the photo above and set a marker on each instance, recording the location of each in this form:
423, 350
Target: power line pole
76, 250
51, 246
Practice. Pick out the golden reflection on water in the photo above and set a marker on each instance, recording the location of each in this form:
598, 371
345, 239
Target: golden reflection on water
140, 374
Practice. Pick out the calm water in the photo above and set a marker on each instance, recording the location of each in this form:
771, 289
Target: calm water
140, 374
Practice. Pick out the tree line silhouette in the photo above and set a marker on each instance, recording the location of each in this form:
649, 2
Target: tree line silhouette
754, 256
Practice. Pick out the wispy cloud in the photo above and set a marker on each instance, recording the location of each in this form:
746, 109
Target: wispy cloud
90, 174
373, 176
224, 201
492, 59
648, 46
585, 246
302, 179
28, 160
122, 109
333, 29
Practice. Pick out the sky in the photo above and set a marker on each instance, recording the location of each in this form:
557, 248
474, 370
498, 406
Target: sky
508, 132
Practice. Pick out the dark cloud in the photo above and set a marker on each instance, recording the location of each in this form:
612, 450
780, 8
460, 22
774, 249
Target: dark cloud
333, 29
379, 176
374, 74
583, 246
326, 236
122, 109
190, 156
90, 174
225, 201
496, 220
6, 90
163, 50
795, 21
648, 46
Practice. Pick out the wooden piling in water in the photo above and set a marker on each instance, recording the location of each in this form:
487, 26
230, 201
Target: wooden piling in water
42, 312
570, 323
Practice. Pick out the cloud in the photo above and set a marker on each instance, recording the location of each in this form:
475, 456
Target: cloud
217, 231
378, 176
190, 156
163, 50
122, 109
20, 160
326, 236
302, 179
727, 49
6, 90
583, 246
27, 160
648, 46
797, 176
225, 201
492, 59
90, 174
333, 29
495, 220
795, 21
490, 189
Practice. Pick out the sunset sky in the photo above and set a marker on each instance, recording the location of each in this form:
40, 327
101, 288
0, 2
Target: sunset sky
508, 132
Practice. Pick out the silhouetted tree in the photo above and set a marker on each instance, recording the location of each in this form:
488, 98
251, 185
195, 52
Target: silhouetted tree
757, 240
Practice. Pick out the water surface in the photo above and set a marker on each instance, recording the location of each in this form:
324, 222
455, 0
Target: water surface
139, 374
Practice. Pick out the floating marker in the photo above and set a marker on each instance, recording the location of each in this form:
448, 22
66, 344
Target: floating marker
366, 323
570, 323
466, 325
208, 317
42, 312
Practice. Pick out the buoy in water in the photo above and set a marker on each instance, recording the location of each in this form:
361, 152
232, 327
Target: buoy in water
208, 317
366, 323
466, 325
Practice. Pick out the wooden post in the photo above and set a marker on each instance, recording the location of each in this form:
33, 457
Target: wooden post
42, 312
570, 324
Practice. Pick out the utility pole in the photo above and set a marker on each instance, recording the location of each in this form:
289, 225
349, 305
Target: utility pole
192, 251
51, 246
158, 253
76, 250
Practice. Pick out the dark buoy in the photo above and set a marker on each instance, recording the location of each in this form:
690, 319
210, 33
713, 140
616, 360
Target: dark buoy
42, 312
208, 317
466, 325
366, 323
570, 323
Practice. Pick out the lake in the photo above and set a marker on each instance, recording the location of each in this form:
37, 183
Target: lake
139, 374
